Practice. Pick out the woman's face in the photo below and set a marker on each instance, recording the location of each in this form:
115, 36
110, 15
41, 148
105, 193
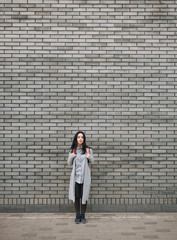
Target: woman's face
80, 139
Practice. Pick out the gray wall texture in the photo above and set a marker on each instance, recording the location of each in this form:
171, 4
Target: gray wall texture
107, 67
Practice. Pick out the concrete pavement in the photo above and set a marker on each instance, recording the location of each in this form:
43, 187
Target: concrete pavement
100, 226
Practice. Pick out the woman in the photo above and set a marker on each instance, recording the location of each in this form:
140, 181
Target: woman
80, 156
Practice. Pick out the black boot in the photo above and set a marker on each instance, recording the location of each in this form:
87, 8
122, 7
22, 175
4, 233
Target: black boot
83, 220
78, 219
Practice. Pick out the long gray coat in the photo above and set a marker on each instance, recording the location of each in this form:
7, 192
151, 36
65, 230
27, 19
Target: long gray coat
87, 178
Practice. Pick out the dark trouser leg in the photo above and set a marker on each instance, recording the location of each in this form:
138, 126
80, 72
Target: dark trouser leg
83, 206
77, 198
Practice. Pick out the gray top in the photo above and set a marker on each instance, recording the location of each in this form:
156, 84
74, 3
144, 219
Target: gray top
80, 160
87, 177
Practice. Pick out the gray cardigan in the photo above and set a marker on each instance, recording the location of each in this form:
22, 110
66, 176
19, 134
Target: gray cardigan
87, 178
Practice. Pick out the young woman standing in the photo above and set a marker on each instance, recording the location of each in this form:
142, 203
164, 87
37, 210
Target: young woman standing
80, 156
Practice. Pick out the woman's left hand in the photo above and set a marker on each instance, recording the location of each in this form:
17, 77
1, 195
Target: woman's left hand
88, 154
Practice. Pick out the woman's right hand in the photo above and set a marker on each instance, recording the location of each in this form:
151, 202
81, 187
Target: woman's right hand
73, 154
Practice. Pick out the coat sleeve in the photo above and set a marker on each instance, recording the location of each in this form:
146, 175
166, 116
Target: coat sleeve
70, 159
91, 158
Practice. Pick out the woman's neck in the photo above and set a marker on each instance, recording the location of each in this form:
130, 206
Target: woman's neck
79, 145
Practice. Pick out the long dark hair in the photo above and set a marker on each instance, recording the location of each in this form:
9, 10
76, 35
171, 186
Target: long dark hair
74, 143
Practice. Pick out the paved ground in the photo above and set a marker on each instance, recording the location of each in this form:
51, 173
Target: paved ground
100, 226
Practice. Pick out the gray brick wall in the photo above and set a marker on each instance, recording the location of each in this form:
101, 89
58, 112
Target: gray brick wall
106, 67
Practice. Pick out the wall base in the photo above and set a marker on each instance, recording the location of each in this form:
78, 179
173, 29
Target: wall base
90, 208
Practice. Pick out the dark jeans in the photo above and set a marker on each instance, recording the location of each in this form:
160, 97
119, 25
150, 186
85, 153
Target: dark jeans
79, 207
